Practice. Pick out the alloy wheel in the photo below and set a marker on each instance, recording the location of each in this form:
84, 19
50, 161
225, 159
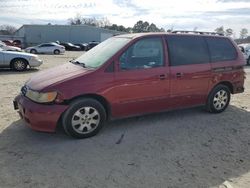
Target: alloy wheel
85, 120
220, 99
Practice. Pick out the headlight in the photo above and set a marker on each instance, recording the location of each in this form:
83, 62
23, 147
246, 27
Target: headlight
41, 97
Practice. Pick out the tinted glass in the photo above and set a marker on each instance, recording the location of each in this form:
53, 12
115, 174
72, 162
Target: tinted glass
186, 50
221, 49
44, 45
145, 53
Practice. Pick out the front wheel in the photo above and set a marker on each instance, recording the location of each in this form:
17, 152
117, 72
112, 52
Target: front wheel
84, 118
56, 52
218, 99
19, 65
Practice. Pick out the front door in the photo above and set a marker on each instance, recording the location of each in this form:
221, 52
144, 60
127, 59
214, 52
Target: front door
190, 69
142, 79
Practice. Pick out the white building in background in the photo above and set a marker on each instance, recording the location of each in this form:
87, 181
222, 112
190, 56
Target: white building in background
36, 34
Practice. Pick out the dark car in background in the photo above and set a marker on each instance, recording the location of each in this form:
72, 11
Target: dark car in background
83, 46
71, 47
92, 44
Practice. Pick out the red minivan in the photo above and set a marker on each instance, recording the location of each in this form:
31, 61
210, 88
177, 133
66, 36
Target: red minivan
130, 75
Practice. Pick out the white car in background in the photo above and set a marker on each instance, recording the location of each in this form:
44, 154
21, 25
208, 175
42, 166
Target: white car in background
245, 48
9, 48
46, 48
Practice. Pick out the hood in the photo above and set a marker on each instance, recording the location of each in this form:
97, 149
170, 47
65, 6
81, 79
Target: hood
55, 75
19, 53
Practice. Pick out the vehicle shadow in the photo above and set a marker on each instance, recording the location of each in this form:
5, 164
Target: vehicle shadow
5, 71
184, 148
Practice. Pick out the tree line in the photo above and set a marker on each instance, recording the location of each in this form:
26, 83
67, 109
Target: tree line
229, 32
139, 26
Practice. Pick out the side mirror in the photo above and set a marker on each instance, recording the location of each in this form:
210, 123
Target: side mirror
242, 49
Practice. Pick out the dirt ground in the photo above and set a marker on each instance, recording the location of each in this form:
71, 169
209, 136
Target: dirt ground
185, 148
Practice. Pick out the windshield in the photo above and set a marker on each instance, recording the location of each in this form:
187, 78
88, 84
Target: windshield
98, 55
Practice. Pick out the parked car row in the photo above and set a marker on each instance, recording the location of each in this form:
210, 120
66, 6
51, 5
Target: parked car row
20, 61
60, 47
78, 46
245, 49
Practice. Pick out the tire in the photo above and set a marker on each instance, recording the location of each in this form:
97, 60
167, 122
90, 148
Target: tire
19, 64
218, 99
84, 118
33, 51
56, 52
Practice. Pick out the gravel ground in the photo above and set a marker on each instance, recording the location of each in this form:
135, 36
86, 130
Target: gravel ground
185, 148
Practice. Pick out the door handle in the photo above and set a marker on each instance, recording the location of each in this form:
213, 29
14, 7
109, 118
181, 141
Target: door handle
162, 76
179, 74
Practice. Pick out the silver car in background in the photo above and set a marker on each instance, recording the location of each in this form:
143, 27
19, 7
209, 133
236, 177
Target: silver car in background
18, 61
46, 48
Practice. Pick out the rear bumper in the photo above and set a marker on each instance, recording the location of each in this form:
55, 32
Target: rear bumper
39, 117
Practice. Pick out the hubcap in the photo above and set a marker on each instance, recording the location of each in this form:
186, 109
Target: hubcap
19, 65
220, 99
85, 120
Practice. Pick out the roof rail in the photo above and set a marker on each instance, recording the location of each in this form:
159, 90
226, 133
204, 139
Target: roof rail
197, 32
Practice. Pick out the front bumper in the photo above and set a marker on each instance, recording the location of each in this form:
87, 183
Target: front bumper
35, 63
39, 117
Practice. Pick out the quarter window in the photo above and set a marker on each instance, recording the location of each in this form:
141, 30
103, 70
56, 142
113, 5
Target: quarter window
186, 50
221, 49
145, 53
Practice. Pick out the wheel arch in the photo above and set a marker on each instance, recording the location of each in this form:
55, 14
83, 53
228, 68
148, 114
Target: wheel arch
225, 83
18, 58
97, 97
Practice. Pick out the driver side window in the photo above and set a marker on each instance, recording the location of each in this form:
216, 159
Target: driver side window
144, 54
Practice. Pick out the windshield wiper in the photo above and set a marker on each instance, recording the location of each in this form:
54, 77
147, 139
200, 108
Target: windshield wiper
77, 62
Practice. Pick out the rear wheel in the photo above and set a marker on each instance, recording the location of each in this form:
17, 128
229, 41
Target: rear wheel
56, 52
84, 118
218, 99
19, 65
33, 51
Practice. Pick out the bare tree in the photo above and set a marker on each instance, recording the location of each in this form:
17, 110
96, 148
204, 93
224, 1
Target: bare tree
77, 20
7, 29
243, 33
80, 20
220, 30
229, 32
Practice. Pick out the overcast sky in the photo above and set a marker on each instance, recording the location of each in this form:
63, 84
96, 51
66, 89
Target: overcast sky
179, 14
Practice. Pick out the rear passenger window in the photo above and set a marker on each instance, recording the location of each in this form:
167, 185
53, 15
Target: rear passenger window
221, 49
187, 50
